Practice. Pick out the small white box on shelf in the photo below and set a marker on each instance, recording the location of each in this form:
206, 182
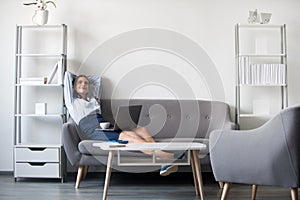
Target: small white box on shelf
40, 108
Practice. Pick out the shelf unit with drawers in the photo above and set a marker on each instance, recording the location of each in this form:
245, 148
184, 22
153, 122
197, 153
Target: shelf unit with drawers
41, 53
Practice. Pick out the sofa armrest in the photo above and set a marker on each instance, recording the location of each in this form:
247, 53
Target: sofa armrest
230, 126
70, 140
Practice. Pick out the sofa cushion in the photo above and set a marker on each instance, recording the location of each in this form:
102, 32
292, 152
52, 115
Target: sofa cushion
175, 118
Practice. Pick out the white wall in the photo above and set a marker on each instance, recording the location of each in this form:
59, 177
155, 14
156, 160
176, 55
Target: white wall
210, 24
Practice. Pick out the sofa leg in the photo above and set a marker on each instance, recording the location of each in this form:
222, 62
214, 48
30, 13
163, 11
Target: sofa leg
85, 172
221, 184
294, 193
254, 191
225, 191
79, 176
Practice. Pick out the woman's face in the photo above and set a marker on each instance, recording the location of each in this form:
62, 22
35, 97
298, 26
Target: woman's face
82, 86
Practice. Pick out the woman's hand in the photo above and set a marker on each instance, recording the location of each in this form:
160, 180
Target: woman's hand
98, 100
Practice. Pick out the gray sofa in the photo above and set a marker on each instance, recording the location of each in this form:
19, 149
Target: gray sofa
166, 120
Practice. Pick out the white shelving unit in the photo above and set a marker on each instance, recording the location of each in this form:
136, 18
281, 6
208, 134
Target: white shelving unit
261, 62
38, 151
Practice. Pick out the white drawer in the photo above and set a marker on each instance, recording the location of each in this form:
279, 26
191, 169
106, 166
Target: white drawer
39, 170
27, 154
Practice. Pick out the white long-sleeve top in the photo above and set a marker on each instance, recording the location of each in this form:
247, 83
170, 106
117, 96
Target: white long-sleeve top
77, 108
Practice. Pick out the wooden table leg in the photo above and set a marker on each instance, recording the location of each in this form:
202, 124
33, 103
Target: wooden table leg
108, 173
254, 191
197, 165
194, 174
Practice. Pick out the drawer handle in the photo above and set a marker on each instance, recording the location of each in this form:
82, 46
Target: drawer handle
37, 163
37, 148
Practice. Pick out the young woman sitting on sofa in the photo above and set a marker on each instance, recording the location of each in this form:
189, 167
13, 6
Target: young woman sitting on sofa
86, 113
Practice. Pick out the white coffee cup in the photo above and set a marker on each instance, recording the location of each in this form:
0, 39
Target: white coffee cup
40, 17
104, 125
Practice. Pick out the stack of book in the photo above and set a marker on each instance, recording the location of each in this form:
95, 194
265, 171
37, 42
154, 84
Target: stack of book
261, 74
33, 80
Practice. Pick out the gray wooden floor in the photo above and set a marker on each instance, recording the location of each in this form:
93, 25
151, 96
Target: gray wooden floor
128, 187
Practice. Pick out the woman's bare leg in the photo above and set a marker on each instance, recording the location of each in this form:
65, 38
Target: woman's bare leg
143, 133
133, 137
130, 136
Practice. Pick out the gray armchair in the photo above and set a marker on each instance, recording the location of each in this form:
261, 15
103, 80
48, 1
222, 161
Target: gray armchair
268, 155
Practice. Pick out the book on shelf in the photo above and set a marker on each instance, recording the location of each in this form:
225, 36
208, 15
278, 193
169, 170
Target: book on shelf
60, 72
33, 80
53, 72
261, 74
57, 70
244, 71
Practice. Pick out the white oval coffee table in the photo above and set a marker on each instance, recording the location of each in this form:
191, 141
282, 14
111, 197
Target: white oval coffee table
192, 150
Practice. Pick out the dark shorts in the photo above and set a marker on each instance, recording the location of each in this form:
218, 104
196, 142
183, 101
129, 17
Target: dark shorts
90, 123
